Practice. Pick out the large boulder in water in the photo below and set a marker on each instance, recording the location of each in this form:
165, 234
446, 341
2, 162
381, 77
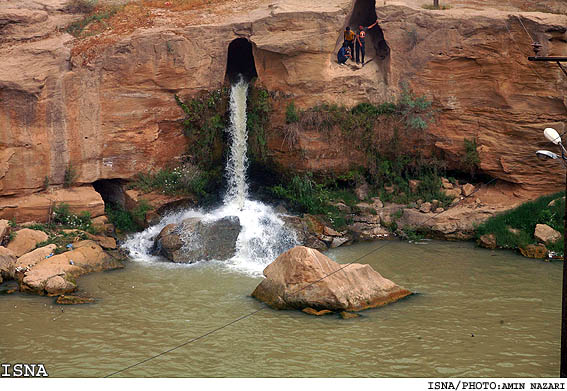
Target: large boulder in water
195, 240
303, 277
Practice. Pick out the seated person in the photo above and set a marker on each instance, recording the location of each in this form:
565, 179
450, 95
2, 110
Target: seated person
344, 54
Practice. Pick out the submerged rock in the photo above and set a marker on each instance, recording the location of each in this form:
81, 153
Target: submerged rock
303, 277
195, 240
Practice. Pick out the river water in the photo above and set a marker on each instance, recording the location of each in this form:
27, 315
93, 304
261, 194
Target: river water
479, 313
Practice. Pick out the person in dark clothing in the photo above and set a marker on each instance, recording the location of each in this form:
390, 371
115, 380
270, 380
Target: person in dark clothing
360, 42
344, 54
349, 39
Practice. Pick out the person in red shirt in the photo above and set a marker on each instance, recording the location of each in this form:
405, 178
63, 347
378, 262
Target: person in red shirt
360, 42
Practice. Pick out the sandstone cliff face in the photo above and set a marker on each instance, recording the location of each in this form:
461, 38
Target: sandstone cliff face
109, 111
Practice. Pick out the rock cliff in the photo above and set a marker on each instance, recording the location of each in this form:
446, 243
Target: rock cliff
104, 104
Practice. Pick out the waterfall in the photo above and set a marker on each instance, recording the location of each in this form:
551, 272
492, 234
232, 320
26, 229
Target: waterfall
237, 161
263, 236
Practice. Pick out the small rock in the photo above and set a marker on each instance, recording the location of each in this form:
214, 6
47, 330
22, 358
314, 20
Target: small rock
419, 202
453, 192
439, 210
365, 208
349, 315
337, 242
57, 285
26, 240
343, 208
544, 233
389, 189
361, 191
468, 189
4, 230
425, 207
487, 241
414, 185
515, 231
377, 203
446, 184
74, 299
311, 311
534, 251
553, 202
434, 204
327, 231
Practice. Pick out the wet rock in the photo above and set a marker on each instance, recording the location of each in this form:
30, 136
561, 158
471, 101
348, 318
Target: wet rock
425, 207
57, 285
56, 275
26, 240
544, 233
538, 251
487, 241
301, 277
349, 315
74, 299
7, 263
195, 240
312, 311
337, 242
468, 189
4, 230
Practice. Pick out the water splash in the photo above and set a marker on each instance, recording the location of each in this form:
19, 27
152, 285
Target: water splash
263, 236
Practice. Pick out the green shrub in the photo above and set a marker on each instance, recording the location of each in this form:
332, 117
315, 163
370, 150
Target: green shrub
93, 15
123, 220
524, 218
471, 158
304, 194
291, 114
70, 175
65, 219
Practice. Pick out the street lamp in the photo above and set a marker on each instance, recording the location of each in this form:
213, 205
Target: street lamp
552, 135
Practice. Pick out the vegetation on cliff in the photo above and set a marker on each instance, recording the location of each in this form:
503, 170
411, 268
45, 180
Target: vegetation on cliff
515, 228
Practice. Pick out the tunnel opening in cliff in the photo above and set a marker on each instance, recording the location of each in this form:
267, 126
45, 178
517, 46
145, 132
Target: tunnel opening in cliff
364, 14
111, 191
240, 60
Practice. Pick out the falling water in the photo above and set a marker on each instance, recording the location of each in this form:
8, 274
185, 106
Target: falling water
237, 162
263, 235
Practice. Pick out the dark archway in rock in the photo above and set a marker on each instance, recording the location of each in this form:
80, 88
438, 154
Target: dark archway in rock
111, 191
364, 14
240, 60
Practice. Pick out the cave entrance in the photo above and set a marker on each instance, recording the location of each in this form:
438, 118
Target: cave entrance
111, 191
364, 14
240, 60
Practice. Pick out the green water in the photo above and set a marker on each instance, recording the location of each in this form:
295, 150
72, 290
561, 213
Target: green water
479, 313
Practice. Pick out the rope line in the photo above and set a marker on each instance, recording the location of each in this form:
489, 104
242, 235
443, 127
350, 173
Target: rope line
299, 290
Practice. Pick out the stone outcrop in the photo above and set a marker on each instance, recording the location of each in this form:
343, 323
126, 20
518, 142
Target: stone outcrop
56, 275
26, 240
33, 257
304, 278
545, 234
7, 263
195, 240
36, 207
105, 103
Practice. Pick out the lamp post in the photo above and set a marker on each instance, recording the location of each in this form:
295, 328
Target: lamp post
552, 135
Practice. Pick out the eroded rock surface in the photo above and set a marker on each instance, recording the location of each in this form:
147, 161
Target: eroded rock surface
56, 275
26, 240
195, 240
303, 277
